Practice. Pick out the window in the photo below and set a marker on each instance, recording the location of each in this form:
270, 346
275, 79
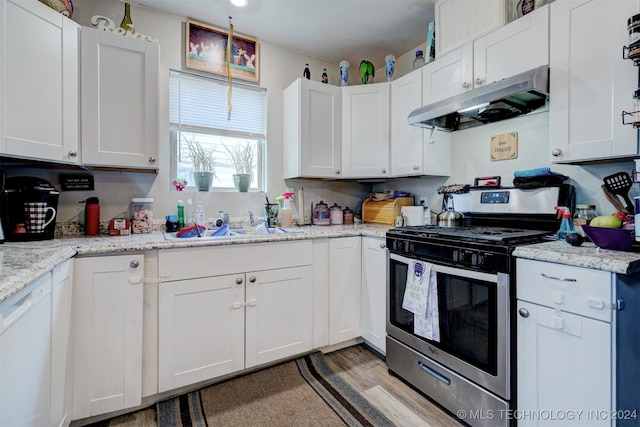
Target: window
198, 114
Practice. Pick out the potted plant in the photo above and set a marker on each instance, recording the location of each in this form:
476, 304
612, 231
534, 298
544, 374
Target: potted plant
204, 164
243, 157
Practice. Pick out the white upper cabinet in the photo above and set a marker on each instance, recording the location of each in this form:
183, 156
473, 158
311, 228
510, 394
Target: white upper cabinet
517, 47
119, 100
312, 130
591, 83
39, 116
365, 131
406, 140
461, 21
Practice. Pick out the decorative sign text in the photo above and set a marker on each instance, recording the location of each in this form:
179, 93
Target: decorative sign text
72, 182
106, 24
504, 146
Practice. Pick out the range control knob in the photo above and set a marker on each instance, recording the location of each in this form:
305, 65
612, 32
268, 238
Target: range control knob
458, 255
477, 259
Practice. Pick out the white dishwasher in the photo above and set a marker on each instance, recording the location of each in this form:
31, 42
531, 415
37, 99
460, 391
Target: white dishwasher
25, 348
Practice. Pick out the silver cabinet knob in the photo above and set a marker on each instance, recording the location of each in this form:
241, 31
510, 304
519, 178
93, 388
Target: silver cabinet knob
478, 81
252, 279
134, 263
416, 167
523, 312
466, 85
337, 171
382, 246
239, 281
73, 153
384, 171
556, 152
152, 159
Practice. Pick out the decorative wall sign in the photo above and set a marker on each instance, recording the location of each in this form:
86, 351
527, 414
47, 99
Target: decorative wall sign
504, 146
75, 182
205, 51
106, 24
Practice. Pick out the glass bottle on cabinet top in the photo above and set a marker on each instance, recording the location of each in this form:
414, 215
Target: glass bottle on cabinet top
127, 23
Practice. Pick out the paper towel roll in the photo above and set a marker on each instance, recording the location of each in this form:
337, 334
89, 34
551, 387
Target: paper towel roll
414, 215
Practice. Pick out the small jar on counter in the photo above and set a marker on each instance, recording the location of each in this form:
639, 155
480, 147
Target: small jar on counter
583, 216
336, 214
347, 215
141, 215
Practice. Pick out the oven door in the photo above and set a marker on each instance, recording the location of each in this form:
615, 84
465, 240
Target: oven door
473, 321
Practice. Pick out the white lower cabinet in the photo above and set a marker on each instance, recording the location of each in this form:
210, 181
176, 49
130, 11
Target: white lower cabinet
107, 309
374, 292
565, 344
239, 306
345, 261
61, 307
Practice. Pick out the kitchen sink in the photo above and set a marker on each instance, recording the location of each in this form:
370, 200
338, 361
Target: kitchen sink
236, 233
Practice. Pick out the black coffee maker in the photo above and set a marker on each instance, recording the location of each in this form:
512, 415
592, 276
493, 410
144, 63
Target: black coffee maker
28, 209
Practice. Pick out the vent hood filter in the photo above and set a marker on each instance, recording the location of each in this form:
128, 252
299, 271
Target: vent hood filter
504, 99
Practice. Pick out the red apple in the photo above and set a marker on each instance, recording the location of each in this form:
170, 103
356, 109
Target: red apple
621, 215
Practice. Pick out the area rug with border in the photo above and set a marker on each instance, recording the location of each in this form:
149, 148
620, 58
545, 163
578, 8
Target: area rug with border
303, 392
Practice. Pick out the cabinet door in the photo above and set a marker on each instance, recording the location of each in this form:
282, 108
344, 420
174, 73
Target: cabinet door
201, 329
312, 130
449, 75
374, 292
61, 308
406, 140
119, 100
365, 131
25, 355
515, 48
590, 82
564, 363
39, 76
107, 303
461, 21
344, 288
278, 313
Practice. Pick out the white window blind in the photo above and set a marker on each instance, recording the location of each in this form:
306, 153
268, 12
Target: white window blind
201, 102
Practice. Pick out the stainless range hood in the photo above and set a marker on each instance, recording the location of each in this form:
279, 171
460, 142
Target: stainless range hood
504, 99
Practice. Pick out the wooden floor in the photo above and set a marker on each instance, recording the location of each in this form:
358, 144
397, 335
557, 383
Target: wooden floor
367, 373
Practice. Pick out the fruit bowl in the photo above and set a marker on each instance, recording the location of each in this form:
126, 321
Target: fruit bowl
616, 239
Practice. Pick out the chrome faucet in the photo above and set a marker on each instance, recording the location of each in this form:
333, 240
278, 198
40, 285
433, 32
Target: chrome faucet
252, 221
225, 217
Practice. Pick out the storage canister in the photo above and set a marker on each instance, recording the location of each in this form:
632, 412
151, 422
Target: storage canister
141, 213
583, 216
347, 215
321, 214
336, 214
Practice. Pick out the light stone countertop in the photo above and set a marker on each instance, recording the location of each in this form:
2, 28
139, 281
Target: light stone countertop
23, 262
588, 255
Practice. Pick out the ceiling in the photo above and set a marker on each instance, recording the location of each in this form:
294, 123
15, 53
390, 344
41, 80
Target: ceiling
330, 30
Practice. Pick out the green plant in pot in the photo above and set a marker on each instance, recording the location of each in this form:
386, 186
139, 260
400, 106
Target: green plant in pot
243, 157
204, 164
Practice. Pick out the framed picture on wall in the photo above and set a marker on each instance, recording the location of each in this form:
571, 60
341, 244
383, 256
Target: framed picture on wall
206, 48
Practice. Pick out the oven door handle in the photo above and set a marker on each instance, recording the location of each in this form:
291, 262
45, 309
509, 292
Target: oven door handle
434, 374
460, 272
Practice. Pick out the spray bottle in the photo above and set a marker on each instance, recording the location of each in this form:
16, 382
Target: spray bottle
180, 215
566, 224
286, 215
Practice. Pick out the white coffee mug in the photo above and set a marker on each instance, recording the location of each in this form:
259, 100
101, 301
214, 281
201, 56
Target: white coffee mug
35, 215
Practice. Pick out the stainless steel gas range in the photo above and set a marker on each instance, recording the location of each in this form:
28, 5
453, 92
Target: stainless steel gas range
451, 299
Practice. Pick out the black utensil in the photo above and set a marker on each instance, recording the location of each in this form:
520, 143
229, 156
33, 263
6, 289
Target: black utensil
619, 184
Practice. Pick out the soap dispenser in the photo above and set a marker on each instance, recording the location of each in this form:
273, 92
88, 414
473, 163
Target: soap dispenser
200, 216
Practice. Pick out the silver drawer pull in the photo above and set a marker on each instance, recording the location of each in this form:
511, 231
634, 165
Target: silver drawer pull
434, 374
558, 278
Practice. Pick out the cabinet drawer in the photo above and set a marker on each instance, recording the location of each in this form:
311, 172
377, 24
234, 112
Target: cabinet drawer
576, 290
189, 263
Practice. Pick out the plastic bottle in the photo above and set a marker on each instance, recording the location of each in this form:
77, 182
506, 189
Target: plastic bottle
180, 215
200, 216
566, 225
419, 61
286, 215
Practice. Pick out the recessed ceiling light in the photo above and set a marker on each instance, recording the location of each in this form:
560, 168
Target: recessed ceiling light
239, 3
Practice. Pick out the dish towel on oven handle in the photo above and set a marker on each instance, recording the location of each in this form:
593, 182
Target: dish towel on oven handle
421, 298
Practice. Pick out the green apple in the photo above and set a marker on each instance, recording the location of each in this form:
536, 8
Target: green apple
606, 221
